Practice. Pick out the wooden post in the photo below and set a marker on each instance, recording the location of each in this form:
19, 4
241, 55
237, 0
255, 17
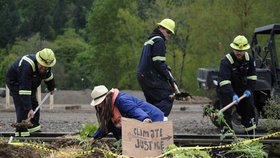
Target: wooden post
39, 94
8, 103
51, 101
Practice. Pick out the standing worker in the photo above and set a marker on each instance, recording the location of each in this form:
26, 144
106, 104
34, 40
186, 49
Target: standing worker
153, 72
237, 77
112, 105
23, 78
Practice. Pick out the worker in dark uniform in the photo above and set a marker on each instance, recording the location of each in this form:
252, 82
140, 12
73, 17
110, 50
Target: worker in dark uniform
152, 72
23, 78
237, 77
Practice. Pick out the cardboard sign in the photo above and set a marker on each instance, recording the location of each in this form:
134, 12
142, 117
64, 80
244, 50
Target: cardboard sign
141, 139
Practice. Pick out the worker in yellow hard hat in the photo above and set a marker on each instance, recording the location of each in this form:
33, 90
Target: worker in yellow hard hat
238, 77
153, 72
23, 78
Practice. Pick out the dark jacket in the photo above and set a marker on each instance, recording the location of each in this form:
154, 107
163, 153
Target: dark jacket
237, 76
153, 61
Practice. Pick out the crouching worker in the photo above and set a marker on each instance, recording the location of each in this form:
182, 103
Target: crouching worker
112, 105
23, 78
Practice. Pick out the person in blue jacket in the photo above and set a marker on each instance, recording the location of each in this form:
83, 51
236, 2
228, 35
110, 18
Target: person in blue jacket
237, 77
112, 105
153, 72
23, 78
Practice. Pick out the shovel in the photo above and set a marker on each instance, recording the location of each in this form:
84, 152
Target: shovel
213, 115
26, 123
179, 95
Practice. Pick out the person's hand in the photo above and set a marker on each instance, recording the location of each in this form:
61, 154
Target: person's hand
147, 120
235, 98
30, 114
53, 91
91, 140
119, 123
247, 93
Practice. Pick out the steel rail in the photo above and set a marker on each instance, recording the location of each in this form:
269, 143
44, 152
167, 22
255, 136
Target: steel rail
179, 139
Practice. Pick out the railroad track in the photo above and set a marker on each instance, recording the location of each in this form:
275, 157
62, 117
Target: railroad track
179, 139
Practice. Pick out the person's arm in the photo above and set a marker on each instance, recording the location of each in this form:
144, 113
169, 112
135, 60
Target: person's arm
251, 77
127, 106
50, 82
159, 59
224, 77
99, 134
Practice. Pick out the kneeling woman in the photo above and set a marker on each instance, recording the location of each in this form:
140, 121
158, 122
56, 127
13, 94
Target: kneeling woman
112, 105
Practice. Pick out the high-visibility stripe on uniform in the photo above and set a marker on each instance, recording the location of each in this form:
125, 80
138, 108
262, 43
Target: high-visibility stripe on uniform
228, 56
29, 61
254, 77
159, 58
24, 92
22, 134
49, 78
247, 58
150, 41
250, 128
224, 82
31, 130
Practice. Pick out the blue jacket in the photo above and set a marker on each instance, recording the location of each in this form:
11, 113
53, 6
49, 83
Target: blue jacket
132, 107
24, 77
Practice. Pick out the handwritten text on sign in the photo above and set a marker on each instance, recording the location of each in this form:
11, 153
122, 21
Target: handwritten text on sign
149, 139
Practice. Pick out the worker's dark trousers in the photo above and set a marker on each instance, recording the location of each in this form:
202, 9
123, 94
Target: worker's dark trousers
21, 112
157, 92
245, 108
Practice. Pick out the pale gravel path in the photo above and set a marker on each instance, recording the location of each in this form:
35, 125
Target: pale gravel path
189, 121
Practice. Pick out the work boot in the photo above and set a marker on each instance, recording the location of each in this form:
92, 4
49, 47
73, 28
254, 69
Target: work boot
35, 129
21, 132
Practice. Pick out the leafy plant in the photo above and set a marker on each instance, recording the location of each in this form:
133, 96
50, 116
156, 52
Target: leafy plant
181, 153
117, 146
88, 129
272, 113
252, 150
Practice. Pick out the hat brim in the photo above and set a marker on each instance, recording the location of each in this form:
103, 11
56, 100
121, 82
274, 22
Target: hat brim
232, 45
159, 24
41, 62
98, 101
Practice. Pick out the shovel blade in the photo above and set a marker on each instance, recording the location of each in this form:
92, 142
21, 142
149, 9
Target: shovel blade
183, 96
22, 124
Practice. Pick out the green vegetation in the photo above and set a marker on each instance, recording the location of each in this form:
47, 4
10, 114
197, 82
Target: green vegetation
100, 42
88, 129
272, 113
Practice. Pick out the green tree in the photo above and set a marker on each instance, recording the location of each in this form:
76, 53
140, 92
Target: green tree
102, 27
66, 48
9, 18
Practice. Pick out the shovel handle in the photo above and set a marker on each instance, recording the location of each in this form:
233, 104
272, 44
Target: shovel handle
231, 104
41, 103
177, 91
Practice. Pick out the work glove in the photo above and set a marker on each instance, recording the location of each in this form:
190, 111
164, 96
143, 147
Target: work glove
247, 93
235, 98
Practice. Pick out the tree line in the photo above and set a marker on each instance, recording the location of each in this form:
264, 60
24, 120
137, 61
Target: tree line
100, 41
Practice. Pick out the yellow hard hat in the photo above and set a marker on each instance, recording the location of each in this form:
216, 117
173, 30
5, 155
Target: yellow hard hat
168, 24
46, 57
240, 43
